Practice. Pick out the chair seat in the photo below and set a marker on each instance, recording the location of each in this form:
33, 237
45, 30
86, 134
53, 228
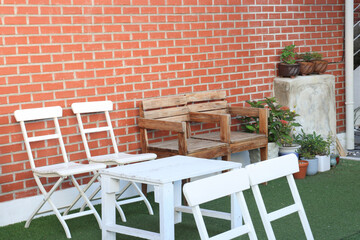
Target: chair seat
67, 169
122, 158
193, 144
235, 136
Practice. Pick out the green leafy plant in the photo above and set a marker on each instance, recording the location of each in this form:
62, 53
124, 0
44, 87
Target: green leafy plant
317, 56
307, 57
312, 145
288, 55
281, 121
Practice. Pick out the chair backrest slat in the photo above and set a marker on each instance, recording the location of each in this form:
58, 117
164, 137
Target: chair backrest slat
220, 187
37, 114
276, 168
44, 137
99, 129
92, 107
101, 107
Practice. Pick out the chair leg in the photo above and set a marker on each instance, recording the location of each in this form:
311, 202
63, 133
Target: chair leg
297, 200
263, 213
264, 153
226, 157
79, 196
47, 199
144, 188
246, 216
147, 203
96, 214
91, 197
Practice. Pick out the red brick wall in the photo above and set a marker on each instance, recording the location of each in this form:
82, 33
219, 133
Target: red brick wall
56, 52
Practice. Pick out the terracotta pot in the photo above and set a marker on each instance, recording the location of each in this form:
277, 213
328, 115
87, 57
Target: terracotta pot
320, 66
306, 68
302, 170
288, 70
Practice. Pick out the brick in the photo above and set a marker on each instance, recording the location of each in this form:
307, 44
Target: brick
38, 20
6, 197
15, 20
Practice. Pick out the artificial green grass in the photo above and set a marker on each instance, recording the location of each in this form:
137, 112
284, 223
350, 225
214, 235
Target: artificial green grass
331, 200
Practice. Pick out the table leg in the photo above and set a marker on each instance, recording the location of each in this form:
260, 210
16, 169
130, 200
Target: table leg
177, 200
236, 217
108, 188
166, 211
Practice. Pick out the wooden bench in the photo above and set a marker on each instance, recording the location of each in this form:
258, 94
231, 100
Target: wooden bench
176, 113
215, 103
172, 114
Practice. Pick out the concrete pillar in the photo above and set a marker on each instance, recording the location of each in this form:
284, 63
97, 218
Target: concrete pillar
313, 98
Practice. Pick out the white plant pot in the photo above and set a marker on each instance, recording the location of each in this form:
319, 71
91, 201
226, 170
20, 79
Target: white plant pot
273, 152
324, 163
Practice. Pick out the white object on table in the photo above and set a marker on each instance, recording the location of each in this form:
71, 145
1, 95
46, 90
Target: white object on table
166, 174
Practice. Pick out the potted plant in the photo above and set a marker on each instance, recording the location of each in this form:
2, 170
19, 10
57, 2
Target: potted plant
323, 153
287, 139
280, 123
301, 174
306, 66
320, 65
288, 67
310, 146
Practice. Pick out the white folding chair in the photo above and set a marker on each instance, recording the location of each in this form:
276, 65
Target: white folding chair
214, 187
102, 108
44, 132
269, 170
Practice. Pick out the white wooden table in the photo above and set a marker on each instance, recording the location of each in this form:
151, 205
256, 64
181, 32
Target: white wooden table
166, 175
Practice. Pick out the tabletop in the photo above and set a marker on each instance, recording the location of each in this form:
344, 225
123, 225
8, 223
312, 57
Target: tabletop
169, 169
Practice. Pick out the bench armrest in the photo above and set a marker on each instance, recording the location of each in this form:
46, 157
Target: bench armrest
162, 125
223, 119
261, 113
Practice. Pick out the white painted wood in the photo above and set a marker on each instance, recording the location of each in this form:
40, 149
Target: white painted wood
38, 113
230, 183
221, 185
236, 213
166, 174
60, 171
109, 187
177, 201
169, 169
269, 170
166, 211
91, 107
205, 212
115, 158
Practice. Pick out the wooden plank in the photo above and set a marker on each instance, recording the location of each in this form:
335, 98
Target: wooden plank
166, 112
205, 117
164, 102
181, 118
263, 121
211, 152
244, 111
340, 148
225, 128
205, 96
239, 147
201, 107
183, 147
162, 125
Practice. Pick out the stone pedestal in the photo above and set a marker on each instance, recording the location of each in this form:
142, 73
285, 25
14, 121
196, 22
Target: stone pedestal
313, 98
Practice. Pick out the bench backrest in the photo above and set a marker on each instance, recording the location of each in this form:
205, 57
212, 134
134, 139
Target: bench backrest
171, 108
210, 102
